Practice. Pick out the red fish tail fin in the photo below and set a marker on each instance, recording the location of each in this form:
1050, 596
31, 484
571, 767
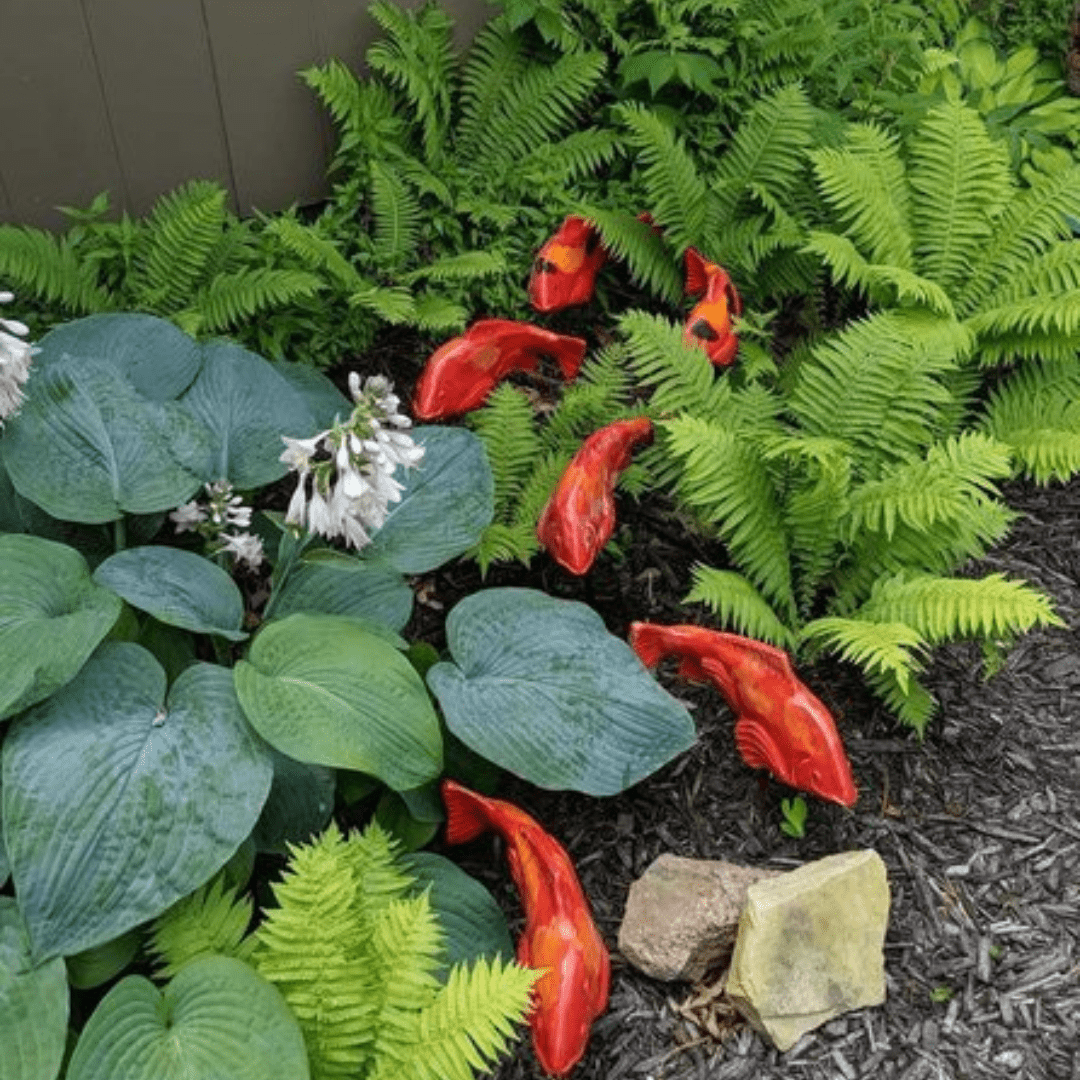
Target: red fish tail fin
570, 355
466, 813
697, 273
647, 640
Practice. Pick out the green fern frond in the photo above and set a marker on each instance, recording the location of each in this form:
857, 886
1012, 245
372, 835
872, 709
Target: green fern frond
465, 266
48, 267
466, 1027
683, 376
676, 193
397, 215
914, 706
579, 154
726, 481
438, 314
597, 397
945, 609
417, 57
407, 945
866, 184
318, 252
229, 299
877, 647
736, 603
1054, 271
211, 920
494, 66
175, 243
961, 180
363, 110
1036, 412
954, 476
631, 241
1051, 316
500, 542
1033, 221
532, 109
505, 425
876, 385
393, 303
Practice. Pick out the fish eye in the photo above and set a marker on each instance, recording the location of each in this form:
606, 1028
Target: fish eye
592, 243
704, 331
545, 266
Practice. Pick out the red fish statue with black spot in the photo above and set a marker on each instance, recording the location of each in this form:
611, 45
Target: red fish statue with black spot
564, 271
709, 322
579, 518
461, 373
559, 932
781, 725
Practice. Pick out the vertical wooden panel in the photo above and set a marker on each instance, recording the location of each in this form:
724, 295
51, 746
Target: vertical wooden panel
158, 78
57, 144
6, 213
277, 134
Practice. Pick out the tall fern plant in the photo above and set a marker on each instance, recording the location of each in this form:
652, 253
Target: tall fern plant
845, 503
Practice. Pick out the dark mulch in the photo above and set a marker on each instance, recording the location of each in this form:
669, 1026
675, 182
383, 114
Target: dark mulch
979, 826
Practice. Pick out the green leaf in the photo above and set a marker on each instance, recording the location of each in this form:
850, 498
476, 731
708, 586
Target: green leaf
217, 1020
542, 689
326, 689
447, 503
99, 964
299, 805
247, 406
396, 817
86, 446
52, 617
33, 1004
472, 922
324, 400
329, 582
658, 67
159, 360
177, 587
116, 804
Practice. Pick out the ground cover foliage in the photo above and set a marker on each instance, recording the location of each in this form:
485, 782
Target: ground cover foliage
894, 199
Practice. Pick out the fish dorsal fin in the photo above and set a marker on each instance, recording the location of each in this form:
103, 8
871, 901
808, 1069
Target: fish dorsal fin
758, 748
697, 272
776, 660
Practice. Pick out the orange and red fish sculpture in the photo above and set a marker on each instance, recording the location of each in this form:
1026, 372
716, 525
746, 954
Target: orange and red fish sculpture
559, 932
565, 269
579, 518
781, 725
709, 322
461, 373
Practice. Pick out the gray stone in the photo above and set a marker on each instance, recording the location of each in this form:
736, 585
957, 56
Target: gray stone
810, 946
681, 915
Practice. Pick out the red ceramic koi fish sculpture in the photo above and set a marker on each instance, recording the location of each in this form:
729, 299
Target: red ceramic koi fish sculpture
559, 932
461, 373
580, 515
709, 322
781, 725
565, 269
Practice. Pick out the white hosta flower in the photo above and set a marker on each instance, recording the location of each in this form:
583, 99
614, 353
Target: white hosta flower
188, 517
244, 548
350, 466
15, 354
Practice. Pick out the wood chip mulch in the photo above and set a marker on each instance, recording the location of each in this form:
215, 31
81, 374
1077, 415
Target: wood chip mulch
979, 826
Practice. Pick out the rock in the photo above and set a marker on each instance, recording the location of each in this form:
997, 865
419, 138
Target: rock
810, 945
681, 915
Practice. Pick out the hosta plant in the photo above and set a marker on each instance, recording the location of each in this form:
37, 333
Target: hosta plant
158, 722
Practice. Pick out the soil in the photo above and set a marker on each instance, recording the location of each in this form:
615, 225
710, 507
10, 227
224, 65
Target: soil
978, 825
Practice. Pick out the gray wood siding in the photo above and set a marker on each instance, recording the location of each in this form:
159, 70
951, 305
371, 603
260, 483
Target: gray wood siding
137, 96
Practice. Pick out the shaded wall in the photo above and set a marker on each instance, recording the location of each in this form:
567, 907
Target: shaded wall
137, 96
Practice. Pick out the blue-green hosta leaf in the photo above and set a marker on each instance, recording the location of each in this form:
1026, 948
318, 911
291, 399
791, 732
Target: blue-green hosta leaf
217, 1020
176, 587
99, 964
333, 583
542, 689
86, 446
5, 867
448, 501
328, 690
33, 1004
299, 804
117, 803
158, 359
473, 923
324, 400
247, 406
52, 617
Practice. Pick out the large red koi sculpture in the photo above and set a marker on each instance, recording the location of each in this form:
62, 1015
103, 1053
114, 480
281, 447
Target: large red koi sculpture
565, 269
709, 322
461, 373
781, 725
559, 932
579, 518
